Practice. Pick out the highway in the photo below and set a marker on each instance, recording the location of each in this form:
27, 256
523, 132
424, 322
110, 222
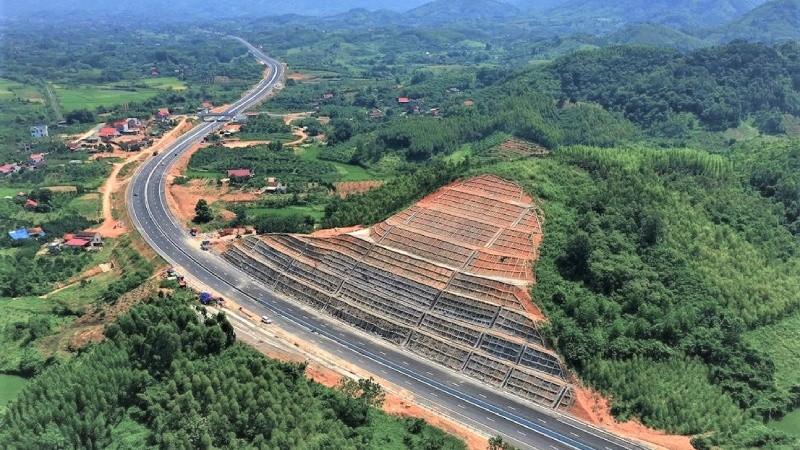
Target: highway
476, 405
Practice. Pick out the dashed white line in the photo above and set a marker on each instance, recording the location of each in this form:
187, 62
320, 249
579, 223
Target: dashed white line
511, 408
461, 406
434, 394
573, 434
481, 395
522, 433
543, 421
489, 419
405, 362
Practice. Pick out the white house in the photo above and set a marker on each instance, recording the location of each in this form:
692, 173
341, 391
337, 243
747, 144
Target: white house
38, 131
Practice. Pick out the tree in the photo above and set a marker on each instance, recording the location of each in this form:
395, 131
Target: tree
202, 213
497, 443
364, 389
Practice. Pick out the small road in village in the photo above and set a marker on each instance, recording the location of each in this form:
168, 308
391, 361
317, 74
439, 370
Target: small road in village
476, 405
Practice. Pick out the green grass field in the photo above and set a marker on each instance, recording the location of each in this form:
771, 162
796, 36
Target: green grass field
204, 174
790, 424
348, 172
10, 387
165, 83
317, 211
10, 88
91, 97
460, 154
779, 341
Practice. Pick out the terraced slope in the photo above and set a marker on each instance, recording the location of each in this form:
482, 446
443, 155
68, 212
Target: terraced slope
447, 278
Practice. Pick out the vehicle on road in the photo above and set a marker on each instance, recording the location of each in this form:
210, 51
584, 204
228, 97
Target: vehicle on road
266, 320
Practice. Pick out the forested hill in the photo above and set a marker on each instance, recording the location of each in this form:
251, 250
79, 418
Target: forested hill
165, 378
655, 88
774, 21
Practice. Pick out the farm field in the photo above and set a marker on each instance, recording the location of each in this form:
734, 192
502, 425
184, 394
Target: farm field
10, 88
348, 172
173, 83
73, 98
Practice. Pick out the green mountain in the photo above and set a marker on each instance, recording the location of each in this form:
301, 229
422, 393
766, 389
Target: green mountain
442, 11
599, 15
656, 35
774, 21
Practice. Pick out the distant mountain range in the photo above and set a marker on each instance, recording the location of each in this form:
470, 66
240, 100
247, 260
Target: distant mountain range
774, 21
680, 24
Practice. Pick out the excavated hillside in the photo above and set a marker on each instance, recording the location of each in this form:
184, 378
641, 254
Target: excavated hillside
448, 278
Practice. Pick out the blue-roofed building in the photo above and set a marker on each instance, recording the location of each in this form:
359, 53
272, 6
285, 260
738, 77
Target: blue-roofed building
20, 234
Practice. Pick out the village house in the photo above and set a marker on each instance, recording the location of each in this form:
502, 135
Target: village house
30, 204
274, 186
375, 113
205, 107
403, 101
39, 131
107, 133
127, 126
162, 115
89, 240
26, 233
36, 160
240, 174
327, 95
6, 169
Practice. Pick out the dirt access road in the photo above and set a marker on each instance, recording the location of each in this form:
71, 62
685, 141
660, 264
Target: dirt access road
111, 227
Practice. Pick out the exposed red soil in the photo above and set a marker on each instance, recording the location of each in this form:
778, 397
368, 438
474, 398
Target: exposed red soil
299, 76
242, 144
516, 148
592, 407
345, 188
336, 231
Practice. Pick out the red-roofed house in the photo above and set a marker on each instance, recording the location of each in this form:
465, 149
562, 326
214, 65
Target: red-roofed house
6, 169
207, 105
77, 243
93, 238
162, 115
106, 133
67, 237
30, 204
36, 231
403, 100
240, 173
36, 159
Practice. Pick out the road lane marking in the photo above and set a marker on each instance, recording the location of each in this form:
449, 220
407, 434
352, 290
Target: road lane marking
520, 432
489, 419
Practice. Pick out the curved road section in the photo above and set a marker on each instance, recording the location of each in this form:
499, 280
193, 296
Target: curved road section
475, 405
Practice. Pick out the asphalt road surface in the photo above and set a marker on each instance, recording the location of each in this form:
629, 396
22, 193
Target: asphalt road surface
476, 405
